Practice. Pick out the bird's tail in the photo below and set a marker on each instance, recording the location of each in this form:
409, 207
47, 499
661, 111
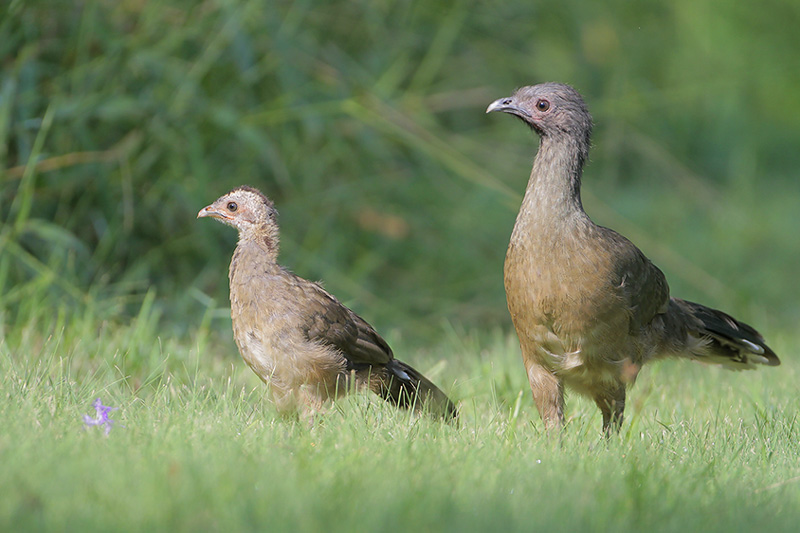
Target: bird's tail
718, 338
406, 387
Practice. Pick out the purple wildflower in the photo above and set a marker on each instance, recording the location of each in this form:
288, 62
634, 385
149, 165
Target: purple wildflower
102, 416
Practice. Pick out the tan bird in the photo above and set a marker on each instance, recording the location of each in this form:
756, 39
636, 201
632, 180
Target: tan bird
298, 338
589, 308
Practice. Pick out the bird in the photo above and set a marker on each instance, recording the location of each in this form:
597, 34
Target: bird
588, 306
298, 338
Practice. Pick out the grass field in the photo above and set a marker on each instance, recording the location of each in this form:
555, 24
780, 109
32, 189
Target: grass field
196, 447
364, 121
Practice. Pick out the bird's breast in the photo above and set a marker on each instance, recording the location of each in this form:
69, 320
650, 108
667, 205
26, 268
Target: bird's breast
563, 302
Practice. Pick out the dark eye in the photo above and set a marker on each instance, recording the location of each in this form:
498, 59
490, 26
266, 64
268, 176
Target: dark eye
232, 206
542, 105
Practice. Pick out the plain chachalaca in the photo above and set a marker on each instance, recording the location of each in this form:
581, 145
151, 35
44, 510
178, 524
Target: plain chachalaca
589, 308
294, 335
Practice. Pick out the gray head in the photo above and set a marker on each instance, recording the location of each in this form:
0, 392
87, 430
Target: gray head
249, 211
552, 110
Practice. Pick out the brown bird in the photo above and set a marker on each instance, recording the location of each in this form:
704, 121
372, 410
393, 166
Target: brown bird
589, 308
294, 335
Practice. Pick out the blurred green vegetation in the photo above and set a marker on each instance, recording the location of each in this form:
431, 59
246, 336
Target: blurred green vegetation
364, 121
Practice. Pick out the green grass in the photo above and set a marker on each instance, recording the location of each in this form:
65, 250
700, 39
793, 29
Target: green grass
197, 447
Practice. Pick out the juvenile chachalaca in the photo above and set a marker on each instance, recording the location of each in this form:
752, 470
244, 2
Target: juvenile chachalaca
294, 335
589, 308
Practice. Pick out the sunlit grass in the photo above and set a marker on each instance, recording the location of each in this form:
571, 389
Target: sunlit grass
195, 445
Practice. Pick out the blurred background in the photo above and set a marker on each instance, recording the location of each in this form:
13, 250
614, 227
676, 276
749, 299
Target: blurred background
364, 121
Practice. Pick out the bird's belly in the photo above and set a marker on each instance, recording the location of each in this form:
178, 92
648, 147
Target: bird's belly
565, 326
254, 351
580, 361
281, 355
265, 341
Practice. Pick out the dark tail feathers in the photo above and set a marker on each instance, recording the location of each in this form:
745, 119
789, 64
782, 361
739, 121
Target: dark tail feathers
733, 344
405, 387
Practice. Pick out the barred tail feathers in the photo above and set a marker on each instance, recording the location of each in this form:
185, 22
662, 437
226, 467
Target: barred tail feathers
719, 338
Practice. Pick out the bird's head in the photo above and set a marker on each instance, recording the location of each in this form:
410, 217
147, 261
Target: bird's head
248, 210
551, 109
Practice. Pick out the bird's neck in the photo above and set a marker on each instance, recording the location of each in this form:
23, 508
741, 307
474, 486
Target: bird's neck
261, 240
256, 252
552, 201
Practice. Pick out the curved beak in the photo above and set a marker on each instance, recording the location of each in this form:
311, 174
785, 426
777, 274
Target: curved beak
506, 105
209, 211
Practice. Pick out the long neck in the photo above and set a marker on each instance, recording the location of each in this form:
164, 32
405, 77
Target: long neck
553, 195
261, 240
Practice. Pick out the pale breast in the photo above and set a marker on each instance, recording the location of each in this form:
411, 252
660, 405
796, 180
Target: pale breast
268, 310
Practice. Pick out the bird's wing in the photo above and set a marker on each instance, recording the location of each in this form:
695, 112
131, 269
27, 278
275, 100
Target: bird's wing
328, 321
640, 284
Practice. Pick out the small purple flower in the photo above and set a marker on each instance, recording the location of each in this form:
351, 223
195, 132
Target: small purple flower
102, 416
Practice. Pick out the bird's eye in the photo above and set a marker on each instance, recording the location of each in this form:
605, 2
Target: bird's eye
232, 206
542, 105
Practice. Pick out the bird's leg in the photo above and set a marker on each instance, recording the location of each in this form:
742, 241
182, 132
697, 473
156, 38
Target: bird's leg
282, 398
612, 406
310, 401
548, 395
302, 402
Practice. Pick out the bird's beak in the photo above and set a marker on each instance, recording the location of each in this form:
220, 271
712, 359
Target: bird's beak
208, 211
506, 105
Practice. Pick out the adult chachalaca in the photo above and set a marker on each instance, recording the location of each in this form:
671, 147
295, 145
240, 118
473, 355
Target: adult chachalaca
589, 308
294, 335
